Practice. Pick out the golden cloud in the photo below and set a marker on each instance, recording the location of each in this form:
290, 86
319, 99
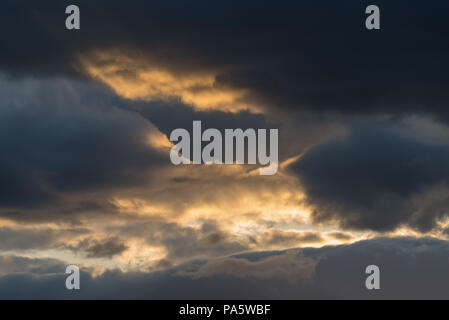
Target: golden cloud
138, 79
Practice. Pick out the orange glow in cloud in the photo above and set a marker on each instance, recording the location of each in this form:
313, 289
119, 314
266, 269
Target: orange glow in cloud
132, 78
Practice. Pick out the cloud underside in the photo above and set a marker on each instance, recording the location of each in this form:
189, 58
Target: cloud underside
210, 57
86, 176
410, 268
382, 176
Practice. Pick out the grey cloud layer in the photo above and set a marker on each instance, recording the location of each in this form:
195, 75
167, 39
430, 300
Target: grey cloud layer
379, 176
35, 238
69, 145
308, 55
410, 268
184, 242
65, 144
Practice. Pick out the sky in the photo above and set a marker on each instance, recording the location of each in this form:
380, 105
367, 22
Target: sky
85, 170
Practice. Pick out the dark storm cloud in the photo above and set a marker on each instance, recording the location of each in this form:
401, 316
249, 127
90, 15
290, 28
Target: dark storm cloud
170, 115
10, 264
410, 268
379, 176
339, 235
289, 238
184, 242
105, 248
34, 238
63, 209
304, 54
61, 137
69, 147
295, 132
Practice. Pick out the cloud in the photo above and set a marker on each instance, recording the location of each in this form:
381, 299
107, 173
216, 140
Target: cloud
66, 145
282, 238
84, 120
84, 146
104, 248
139, 80
35, 238
410, 268
342, 236
285, 265
183, 242
10, 264
78, 156
280, 55
379, 176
